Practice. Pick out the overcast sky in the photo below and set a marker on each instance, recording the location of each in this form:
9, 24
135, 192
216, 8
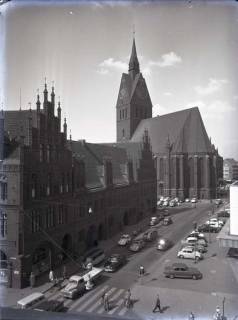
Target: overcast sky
187, 53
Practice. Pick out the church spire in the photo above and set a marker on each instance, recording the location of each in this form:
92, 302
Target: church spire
134, 66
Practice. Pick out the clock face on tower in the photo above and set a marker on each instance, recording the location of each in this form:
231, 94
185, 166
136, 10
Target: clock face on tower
122, 93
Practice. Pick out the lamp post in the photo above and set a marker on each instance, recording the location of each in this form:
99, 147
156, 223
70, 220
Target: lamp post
209, 214
223, 308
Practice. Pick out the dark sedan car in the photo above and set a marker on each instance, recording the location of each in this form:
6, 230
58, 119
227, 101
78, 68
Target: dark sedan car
114, 262
167, 221
233, 253
181, 270
207, 228
164, 244
223, 214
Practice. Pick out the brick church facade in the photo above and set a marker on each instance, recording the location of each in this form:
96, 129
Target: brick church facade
188, 165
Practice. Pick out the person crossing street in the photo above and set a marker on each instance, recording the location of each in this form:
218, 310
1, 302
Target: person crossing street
157, 305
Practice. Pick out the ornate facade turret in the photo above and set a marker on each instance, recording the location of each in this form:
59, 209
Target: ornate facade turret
65, 129
59, 114
38, 104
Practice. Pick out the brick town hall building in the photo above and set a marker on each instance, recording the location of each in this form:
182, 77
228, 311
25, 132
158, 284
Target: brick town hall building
59, 197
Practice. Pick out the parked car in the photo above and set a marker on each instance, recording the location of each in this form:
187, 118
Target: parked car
199, 247
232, 253
218, 202
187, 200
195, 240
153, 221
150, 235
194, 200
198, 235
165, 203
114, 262
206, 228
215, 221
181, 270
172, 203
137, 245
124, 240
189, 253
164, 244
223, 214
167, 221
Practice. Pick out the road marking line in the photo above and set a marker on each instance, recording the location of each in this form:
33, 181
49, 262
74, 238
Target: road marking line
119, 304
90, 296
112, 297
123, 311
109, 294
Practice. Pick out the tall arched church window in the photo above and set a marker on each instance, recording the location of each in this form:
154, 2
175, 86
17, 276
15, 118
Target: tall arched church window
161, 169
191, 172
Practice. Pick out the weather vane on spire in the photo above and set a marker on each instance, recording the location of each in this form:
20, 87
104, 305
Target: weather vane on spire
133, 30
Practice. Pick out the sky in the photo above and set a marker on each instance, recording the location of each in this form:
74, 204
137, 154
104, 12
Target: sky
187, 52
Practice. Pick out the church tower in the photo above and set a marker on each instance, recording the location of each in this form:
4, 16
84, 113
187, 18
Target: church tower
133, 102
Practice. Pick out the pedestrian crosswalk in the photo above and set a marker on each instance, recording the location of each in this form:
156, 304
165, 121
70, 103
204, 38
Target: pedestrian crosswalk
91, 302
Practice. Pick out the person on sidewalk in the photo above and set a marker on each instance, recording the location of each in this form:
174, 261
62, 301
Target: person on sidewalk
106, 302
157, 304
32, 279
191, 316
127, 300
141, 271
64, 272
52, 277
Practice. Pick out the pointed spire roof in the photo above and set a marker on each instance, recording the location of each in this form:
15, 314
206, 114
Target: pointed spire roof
134, 63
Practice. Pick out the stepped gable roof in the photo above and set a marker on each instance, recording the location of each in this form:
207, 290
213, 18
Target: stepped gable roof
133, 151
94, 155
184, 128
16, 123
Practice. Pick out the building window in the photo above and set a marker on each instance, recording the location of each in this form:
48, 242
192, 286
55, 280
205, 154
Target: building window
3, 189
3, 224
35, 221
48, 153
126, 113
41, 153
50, 217
120, 114
123, 133
60, 215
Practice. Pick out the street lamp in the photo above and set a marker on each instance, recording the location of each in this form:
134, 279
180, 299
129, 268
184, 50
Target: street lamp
209, 214
223, 308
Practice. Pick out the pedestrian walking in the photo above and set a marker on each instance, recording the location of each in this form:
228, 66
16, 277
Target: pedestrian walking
127, 300
157, 304
217, 315
106, 302
64, 272
32, 279
103, 297
141, 270
51, 276
191, 316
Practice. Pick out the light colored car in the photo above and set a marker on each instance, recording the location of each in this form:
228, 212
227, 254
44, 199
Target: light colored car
187, 200
124, 240
153, 221
172, 203
194, 200
165, 203
189, 252
194, 240
215, 221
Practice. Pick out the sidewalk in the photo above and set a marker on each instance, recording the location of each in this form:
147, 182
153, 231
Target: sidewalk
177, 304
9, 296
